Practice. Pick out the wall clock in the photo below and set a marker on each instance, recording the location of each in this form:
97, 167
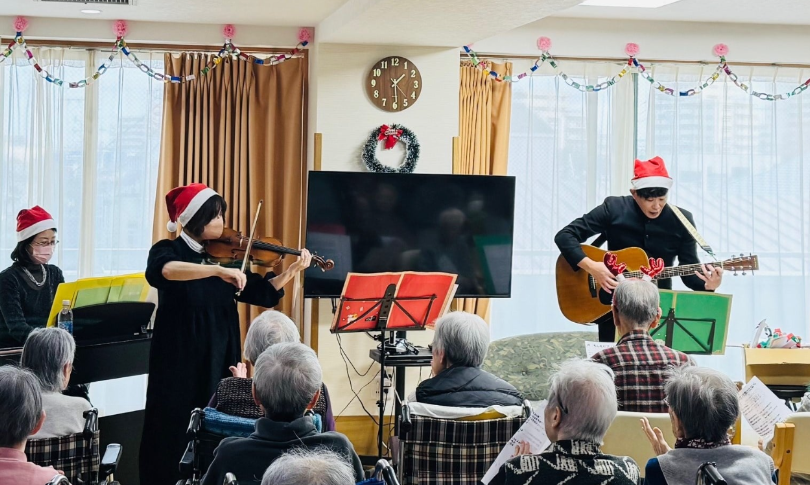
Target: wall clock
393, 83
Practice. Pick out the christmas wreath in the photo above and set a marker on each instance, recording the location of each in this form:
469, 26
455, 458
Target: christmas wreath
391, 135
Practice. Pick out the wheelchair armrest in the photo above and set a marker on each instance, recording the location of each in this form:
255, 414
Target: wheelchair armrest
59, 480
110, 460
385, 472
230, 479
405, 423
187, 461
90, 422
195, 423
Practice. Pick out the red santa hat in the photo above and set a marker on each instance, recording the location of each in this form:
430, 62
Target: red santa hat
183, 202
651, 173
31, 222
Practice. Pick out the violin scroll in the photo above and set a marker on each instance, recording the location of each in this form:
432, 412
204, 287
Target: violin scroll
324, 264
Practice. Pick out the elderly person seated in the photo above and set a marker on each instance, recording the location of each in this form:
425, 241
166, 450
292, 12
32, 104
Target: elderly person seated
233, 394
703, 405
21, 415
286, 383
581, 406
48, 353
639, 363
459, 348
309, 467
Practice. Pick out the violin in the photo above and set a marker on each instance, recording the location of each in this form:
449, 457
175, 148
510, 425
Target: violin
231, 247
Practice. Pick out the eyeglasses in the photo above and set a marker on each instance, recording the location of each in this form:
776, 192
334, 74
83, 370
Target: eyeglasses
43, 244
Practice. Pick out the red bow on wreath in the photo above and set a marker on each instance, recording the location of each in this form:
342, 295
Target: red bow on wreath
390, 135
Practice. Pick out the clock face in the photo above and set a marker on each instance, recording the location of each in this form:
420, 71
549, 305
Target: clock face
393, 84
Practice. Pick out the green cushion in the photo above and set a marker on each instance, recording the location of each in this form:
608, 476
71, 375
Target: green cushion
527, 361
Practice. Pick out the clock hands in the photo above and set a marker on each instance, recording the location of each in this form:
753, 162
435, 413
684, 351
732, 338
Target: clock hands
396, 86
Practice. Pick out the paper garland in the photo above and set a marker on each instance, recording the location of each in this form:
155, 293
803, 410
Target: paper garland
228, 50
720, 50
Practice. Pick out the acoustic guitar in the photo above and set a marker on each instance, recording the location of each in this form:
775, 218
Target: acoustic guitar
581, 298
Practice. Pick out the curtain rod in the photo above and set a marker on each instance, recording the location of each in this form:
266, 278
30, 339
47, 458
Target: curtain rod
623, 60
76, 44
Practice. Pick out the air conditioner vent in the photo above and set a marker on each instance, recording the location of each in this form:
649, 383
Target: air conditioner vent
94, 2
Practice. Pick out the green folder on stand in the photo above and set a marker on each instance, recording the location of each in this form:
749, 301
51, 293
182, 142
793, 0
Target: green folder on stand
694, 322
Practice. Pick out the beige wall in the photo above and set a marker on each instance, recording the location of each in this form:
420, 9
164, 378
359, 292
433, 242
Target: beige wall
341, 111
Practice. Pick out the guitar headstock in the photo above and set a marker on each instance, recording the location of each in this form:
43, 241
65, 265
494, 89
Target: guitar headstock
742, 263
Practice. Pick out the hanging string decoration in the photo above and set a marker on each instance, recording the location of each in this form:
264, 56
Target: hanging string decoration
120, 27
390, 135
633, 65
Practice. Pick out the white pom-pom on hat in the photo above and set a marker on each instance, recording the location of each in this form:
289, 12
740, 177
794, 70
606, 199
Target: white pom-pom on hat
171, 226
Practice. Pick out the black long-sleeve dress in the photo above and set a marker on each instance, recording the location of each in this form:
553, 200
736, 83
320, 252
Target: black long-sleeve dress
195, 340
25, 306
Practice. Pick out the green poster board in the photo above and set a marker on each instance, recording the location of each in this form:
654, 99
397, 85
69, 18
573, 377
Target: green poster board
694, 322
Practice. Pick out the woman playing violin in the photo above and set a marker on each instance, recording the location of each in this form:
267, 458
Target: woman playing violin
196, 332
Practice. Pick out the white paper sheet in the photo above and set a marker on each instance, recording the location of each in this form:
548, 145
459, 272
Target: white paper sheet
533, 432
593, 348
761, 408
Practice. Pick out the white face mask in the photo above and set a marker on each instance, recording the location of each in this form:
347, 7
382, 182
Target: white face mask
41, 254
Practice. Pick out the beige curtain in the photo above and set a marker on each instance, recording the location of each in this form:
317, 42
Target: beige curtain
241, 130
485, 108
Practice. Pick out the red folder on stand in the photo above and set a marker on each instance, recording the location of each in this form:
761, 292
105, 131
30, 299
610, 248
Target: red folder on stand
393, 301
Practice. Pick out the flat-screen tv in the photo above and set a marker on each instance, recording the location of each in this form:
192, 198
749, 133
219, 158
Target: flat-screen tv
379, 222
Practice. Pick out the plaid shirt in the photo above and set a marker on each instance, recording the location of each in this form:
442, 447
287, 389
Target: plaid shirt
640, 365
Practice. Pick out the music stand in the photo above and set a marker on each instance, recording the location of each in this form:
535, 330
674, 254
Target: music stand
391, 303
694, 322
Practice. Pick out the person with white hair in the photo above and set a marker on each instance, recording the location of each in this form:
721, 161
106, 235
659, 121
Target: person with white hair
21, 415
639, 362
581, 406
286, 384
48, 353
233, 395
703, 404
309, 467
459, 348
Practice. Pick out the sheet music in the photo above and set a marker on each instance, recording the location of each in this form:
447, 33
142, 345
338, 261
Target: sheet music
593, 348
761, 408
533, 432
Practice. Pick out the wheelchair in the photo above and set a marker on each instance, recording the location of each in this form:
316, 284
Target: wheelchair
77, 455
707, 474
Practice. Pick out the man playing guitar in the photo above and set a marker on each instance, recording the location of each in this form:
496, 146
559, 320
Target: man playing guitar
642, 219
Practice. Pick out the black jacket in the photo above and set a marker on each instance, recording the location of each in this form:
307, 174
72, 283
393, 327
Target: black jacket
624, 224
467, 387
248, 458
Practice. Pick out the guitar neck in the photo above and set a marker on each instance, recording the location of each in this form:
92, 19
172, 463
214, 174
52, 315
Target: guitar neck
675, 271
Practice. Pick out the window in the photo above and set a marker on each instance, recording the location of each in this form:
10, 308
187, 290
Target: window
739, 165
88, 156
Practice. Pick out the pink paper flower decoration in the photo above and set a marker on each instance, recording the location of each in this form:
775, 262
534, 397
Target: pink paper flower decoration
228, 31
631, 49
121, 27
20, 24
544, 44
304, 35
720, 50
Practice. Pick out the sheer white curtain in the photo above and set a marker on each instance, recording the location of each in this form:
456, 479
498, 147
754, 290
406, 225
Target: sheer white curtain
568, 150
739, 167
89, 156
43, 150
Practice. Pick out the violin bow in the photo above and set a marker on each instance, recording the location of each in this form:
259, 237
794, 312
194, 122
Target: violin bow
250, 240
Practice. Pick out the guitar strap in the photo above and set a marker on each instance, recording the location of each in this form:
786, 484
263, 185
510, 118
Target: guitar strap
692, 231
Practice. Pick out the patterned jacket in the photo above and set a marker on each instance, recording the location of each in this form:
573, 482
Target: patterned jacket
570, 463
641, 366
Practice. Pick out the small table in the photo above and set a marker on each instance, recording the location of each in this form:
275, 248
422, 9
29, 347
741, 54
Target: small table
399, 361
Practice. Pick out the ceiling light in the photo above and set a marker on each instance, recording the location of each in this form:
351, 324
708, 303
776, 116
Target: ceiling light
628, 3
91, 11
